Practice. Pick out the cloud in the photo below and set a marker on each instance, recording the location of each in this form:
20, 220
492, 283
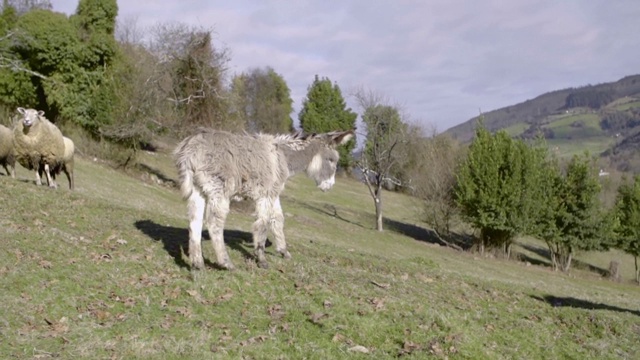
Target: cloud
443, 60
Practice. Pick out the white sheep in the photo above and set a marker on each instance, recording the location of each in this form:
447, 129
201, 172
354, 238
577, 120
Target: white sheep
40, 146
66, 165
7, 155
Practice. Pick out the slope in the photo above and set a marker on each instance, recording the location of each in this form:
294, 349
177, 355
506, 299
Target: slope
101, 273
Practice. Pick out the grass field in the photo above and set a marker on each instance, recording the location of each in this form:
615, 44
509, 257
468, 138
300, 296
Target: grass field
102, 273
626, 105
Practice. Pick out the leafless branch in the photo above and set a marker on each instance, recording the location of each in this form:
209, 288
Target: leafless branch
16, 66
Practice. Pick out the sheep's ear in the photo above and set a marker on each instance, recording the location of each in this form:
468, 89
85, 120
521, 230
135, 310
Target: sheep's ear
21, 110
40, 113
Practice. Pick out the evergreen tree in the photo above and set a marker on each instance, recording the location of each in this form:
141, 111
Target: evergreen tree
323, 110
627, 225
497, 188
572, 219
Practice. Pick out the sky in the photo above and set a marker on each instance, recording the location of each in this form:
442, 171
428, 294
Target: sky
441, 61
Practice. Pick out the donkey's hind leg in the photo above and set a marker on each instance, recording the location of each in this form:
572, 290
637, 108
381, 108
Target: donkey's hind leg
264, 209
277, 229
195, 207
216, 214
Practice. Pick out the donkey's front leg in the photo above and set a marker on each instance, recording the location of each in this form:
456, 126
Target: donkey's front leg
260, 228
277, 229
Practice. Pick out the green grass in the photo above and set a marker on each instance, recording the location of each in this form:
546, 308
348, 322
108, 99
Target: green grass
563, 128
566, 149
631, 104
516, 129
101, 272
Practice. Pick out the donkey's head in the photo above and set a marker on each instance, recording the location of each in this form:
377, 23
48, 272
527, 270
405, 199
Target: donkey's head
324, 163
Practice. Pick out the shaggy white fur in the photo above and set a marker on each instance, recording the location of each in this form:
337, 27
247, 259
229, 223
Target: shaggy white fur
217, 166
7, 153
40, 146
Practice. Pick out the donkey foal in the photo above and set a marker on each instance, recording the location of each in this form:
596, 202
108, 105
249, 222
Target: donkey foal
214, 166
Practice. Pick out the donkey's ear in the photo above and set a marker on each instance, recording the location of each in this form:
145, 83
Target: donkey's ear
341, 137
21, 110
40, 113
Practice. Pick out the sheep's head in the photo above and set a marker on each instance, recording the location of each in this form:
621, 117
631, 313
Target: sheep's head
29, 116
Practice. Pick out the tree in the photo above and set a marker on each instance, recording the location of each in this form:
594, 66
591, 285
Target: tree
262, 101
385, 132
190, 75
16, 85
435, 160
497, 188
627, 224
68, 61
324, 109
23, 6
571, 219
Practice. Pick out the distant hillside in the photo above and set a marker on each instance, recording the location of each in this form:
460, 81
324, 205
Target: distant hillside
603, 119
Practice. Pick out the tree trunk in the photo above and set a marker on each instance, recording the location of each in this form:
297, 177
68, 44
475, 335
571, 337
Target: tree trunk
554, 257
378, 202
567, 263
635, 259
482, 241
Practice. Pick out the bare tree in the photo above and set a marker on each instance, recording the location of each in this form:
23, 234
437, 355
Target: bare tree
23, 6
433, 180
129, 32
386, 132
194, 74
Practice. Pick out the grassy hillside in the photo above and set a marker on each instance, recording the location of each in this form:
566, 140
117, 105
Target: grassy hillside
102, 272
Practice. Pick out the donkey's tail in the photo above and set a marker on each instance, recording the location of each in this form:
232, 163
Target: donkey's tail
185, 168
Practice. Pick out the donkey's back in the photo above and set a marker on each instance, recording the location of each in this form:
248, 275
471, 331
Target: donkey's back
228, 164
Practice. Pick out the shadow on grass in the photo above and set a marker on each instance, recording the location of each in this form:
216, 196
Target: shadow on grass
415, 232
542, 252
164, 178
557, 301
328, 210
421, 234
545, 254
176, 240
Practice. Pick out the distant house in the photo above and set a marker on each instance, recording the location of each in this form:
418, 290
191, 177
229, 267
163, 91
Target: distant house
603, 173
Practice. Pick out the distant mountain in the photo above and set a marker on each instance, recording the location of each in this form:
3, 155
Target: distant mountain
603, 119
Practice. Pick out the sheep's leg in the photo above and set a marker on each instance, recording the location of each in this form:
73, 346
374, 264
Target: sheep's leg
264, 209
69, 174
195, 208
38, 176
216, 214
11, 170
50, 181
277, 229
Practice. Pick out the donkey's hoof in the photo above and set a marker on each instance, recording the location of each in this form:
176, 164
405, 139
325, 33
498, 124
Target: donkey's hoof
263, 264
228, 265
